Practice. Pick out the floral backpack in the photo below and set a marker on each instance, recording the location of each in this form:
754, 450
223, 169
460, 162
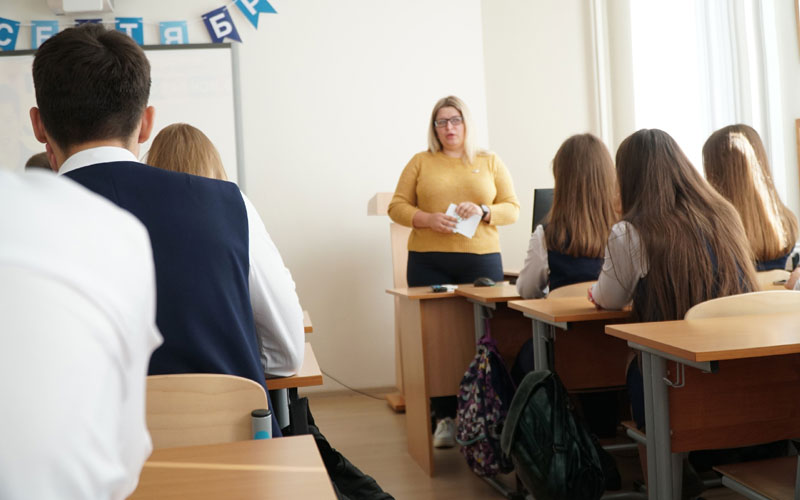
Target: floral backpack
484, 398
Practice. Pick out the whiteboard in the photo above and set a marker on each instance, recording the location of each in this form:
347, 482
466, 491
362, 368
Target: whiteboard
194, 84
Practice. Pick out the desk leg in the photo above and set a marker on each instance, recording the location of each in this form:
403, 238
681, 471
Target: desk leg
480, 325
415, 385
540, 357
280, 404
659, 450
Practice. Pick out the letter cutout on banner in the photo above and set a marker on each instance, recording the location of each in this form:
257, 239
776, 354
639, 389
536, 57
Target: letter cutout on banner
41, 31
220, 25
251, 9
78, 22
8, 34
173, 32
131, 26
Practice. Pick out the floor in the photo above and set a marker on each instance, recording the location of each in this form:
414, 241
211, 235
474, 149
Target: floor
372, 436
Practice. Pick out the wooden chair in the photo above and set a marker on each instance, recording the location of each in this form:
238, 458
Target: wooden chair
574, 290
201, 408
768, 302
767, 279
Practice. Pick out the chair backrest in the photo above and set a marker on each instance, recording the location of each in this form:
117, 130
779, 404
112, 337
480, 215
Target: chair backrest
201, 408
768, 302
573, 290
766, 279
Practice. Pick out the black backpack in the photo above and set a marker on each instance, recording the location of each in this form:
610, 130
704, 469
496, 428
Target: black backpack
554, 454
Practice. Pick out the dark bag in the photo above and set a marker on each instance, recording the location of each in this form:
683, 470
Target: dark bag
349, 483
553, 453
483, 400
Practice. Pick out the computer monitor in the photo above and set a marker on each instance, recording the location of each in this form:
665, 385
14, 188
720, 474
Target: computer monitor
542, 201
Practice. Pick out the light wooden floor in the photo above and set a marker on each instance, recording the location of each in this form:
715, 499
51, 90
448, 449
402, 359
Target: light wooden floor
372, 436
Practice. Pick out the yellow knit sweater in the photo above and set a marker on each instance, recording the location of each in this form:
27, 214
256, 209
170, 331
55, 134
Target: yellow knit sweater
432, 181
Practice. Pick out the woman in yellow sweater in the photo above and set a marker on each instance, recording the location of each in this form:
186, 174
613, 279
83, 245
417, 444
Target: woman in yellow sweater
452, 171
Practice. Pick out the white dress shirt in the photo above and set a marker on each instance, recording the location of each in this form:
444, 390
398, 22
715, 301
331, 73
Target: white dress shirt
273, 296
624, 265
535, 274
77, 328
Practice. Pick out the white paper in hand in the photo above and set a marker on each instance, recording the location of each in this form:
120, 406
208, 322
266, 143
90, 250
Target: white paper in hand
466, 226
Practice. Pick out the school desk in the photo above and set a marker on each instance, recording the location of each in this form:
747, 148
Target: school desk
569, 331
714, 383
437, 338
491, 302
437, 342
265, 469
307, 326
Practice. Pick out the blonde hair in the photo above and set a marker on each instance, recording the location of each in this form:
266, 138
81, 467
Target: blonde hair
582, 214
434, 146
183, 148
735, 163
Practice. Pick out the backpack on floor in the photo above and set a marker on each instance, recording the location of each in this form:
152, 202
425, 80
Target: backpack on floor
553, 452
483, 400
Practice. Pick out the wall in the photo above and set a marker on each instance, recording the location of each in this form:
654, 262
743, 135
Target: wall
539, 91
336, 99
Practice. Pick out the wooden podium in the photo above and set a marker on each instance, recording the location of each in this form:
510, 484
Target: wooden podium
378, 205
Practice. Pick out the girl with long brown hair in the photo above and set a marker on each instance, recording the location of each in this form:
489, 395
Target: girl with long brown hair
679, 241
736, 164
568, 247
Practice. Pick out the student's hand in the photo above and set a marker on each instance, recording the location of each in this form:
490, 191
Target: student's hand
591, 299
441, 223
792, 279
467, 209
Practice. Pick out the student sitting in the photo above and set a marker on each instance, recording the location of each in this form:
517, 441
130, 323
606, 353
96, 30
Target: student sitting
679, 243
568, 247
736, 165
78, 323
92, 88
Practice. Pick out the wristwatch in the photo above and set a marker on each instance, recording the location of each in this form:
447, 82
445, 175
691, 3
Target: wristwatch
485, 210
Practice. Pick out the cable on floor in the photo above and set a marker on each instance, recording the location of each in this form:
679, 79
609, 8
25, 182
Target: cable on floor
350, 388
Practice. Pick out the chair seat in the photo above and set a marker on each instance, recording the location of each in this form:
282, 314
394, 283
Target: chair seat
772, 478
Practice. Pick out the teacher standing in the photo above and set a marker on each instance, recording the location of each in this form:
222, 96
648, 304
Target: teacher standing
452, 171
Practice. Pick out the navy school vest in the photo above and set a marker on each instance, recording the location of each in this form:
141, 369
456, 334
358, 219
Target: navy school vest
200, 239
769, 265
567, 270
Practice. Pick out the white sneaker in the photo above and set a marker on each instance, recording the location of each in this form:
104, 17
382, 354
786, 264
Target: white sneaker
445, 435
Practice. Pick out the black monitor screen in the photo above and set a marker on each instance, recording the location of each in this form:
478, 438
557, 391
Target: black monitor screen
542, 201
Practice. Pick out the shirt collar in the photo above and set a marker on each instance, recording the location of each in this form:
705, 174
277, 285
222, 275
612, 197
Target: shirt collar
102, 154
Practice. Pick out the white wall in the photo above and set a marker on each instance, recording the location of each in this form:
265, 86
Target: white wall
336, 99
539, 91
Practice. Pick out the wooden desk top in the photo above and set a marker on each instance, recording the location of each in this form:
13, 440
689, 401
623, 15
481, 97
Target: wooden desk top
289, 467
420, 292
716, 339
309, 374
501, 292
565, 310
307, 326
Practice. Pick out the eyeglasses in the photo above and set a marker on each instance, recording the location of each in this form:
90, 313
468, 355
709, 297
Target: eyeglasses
454, 121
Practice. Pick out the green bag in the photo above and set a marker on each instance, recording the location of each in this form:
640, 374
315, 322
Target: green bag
553, 453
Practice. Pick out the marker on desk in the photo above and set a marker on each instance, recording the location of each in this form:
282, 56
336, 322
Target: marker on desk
261, 421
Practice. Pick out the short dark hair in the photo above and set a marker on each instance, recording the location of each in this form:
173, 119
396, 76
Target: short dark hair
91, 84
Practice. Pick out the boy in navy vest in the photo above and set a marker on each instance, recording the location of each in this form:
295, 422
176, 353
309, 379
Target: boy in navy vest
225, 301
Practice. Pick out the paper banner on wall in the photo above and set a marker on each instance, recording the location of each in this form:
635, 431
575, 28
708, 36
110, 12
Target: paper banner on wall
131, 26
41, 31
78, 22
252, 8
173, 32
220, 25
9, 30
